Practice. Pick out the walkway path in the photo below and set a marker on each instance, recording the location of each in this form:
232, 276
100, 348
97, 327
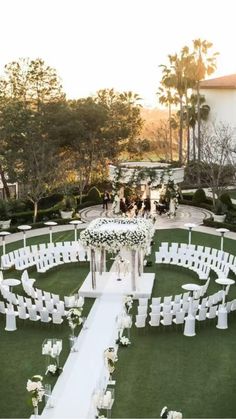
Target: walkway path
185, 214
85, 371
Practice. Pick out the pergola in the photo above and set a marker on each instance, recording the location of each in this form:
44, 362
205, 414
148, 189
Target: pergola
148, 175
116, 234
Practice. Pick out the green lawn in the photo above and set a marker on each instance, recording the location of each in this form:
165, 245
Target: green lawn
161, 367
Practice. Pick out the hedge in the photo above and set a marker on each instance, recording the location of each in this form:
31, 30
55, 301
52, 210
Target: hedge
201, 205
210, 223
43, 215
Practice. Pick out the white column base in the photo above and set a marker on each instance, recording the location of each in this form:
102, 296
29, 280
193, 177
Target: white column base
189, 327
222, 318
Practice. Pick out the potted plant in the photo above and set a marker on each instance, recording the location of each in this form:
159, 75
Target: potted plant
5, 219
219, 211
68, 207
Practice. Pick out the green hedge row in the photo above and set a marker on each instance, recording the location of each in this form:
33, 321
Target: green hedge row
59, 221
194, 204
210, 223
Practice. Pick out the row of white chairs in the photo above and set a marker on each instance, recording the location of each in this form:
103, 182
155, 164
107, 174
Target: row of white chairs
53, 254
167, 319
180, 305
35, 293
32, 313
198, 258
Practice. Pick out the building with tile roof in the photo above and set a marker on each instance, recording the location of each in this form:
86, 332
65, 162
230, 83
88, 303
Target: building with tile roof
220, 95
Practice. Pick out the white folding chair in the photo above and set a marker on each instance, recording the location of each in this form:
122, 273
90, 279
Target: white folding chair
140, 320
22, 314
57, 318
179, 317
201, 314
142, 310
33, 314
154, 320
44, 316
167, 319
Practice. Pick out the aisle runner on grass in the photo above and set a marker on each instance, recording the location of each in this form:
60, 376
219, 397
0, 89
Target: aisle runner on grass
83, 370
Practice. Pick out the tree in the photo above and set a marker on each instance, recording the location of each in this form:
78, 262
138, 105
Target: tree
168, 98
28, 152
123, 122
176, 78
190, 115
217, 157
203, 65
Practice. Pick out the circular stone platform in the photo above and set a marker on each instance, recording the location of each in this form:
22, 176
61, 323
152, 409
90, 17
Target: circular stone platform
185, 214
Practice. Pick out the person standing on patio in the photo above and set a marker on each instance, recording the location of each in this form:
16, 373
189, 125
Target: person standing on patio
105, 200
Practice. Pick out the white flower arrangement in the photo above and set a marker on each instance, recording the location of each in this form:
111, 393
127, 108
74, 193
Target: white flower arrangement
74, 317
128, 302
129, 233
111, 358
170, 414
35, 387
53, 369
123, 341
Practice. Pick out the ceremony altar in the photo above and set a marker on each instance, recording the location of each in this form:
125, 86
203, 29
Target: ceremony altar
131, 237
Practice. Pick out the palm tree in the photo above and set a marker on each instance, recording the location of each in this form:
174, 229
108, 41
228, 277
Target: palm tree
192, 111
168, 98
202, 66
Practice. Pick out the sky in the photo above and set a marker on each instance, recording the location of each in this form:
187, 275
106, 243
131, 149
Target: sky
96, 44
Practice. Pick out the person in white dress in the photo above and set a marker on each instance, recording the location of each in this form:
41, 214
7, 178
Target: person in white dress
116, 205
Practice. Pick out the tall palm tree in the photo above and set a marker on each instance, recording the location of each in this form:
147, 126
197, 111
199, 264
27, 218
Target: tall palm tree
202, 66
191, 113
167, 97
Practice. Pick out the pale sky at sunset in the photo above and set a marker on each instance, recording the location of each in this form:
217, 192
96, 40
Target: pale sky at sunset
97, 44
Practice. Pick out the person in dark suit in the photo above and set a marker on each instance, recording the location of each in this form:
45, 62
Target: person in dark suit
105, 200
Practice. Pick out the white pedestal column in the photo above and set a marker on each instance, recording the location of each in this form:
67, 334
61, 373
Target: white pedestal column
222, 318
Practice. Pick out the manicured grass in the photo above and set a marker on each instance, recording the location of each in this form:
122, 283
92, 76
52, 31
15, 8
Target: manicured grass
161, 367
20, 351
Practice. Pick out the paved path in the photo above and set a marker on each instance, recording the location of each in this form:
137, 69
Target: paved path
185, 214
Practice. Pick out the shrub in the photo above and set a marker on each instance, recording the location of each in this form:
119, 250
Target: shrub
199, 196
210, 223
69, 203
4, 210
220, 208
201, 205
27, 216
94, 195
50, 201
226, 200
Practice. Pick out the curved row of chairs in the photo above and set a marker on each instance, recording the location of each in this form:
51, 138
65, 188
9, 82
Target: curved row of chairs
200, 259
175, 312
44, 256
40, 305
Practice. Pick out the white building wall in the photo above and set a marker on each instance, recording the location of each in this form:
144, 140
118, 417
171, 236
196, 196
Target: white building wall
223, 105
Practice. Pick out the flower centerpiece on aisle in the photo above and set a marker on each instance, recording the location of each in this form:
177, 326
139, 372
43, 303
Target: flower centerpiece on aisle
74, 317
35, 388
128, 302
111, 358
170, 414
123, 341
54, 369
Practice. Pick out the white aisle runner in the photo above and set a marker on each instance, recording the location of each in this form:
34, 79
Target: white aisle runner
83, 370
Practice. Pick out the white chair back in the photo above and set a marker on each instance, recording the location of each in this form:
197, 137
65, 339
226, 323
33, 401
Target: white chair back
154, 320
140, 320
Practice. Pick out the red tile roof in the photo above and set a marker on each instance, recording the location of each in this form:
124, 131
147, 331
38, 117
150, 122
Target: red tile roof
225, 82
